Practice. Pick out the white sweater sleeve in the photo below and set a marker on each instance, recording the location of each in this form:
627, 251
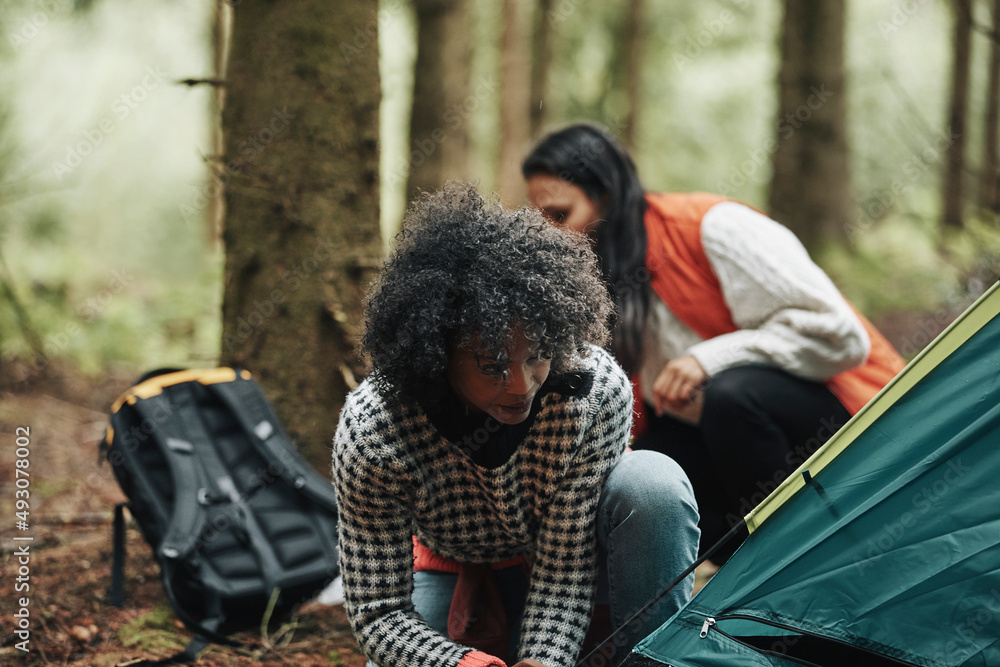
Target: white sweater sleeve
787, 310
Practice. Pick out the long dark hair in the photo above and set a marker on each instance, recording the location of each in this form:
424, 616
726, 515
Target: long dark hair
587, 156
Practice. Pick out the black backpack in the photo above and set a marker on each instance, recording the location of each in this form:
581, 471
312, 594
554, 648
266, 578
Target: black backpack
243, 529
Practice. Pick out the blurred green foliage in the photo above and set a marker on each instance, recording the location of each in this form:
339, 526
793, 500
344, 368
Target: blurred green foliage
103, 230
707, 112
105, 266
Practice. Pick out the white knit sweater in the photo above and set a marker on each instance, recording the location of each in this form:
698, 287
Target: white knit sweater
396, 476
788, 312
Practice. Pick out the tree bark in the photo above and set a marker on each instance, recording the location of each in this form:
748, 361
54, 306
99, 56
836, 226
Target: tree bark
953, 190
991, 144
541, 61
222, 28
810, 189
439, 128
302, 227
515, 100
633, 39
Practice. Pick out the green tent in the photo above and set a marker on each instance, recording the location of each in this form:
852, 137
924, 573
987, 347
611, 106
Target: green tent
884, 547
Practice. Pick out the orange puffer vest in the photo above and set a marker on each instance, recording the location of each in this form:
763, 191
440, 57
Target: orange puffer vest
682, 277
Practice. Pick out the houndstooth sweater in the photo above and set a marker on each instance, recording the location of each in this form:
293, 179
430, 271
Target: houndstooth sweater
396, 477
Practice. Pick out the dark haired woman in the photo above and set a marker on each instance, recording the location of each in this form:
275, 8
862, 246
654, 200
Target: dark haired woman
747, 356
487, 446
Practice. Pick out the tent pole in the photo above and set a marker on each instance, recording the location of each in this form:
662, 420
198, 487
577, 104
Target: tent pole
741, 527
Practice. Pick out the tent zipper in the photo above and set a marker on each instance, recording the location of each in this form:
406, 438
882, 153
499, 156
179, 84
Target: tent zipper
710, 622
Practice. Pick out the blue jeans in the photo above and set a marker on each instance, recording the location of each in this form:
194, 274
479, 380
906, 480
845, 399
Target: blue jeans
647, 532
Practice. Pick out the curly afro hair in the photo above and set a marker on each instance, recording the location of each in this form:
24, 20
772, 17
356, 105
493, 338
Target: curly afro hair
463, 266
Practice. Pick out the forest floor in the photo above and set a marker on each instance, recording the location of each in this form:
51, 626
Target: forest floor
69, 570
69, 566
72, 497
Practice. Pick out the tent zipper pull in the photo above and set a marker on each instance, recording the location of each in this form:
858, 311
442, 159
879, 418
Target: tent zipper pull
709, 622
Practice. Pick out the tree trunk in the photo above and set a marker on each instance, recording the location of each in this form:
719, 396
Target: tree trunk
439, 121
953, 187
810, 189
991, 163
302, 228
541, 61
515, 100
633, 73
222, 33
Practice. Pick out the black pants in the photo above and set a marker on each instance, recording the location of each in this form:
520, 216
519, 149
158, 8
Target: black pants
758, 424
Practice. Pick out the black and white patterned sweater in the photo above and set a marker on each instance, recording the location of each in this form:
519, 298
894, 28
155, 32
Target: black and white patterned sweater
396, 477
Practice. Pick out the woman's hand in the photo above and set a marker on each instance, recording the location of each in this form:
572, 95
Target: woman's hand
528, 662
675, 390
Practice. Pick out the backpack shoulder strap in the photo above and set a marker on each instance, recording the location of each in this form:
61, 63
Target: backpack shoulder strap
249, 406
116, 594
220, 484
166, 414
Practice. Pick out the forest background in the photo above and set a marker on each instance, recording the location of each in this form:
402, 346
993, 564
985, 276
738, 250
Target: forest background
185, 183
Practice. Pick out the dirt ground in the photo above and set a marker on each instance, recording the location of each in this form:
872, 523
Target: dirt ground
72, 498
69, 523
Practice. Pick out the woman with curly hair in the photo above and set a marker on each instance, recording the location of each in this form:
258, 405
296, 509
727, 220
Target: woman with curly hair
747, 356
487, 447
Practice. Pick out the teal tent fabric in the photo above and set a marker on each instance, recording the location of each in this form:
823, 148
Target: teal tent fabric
888, 539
